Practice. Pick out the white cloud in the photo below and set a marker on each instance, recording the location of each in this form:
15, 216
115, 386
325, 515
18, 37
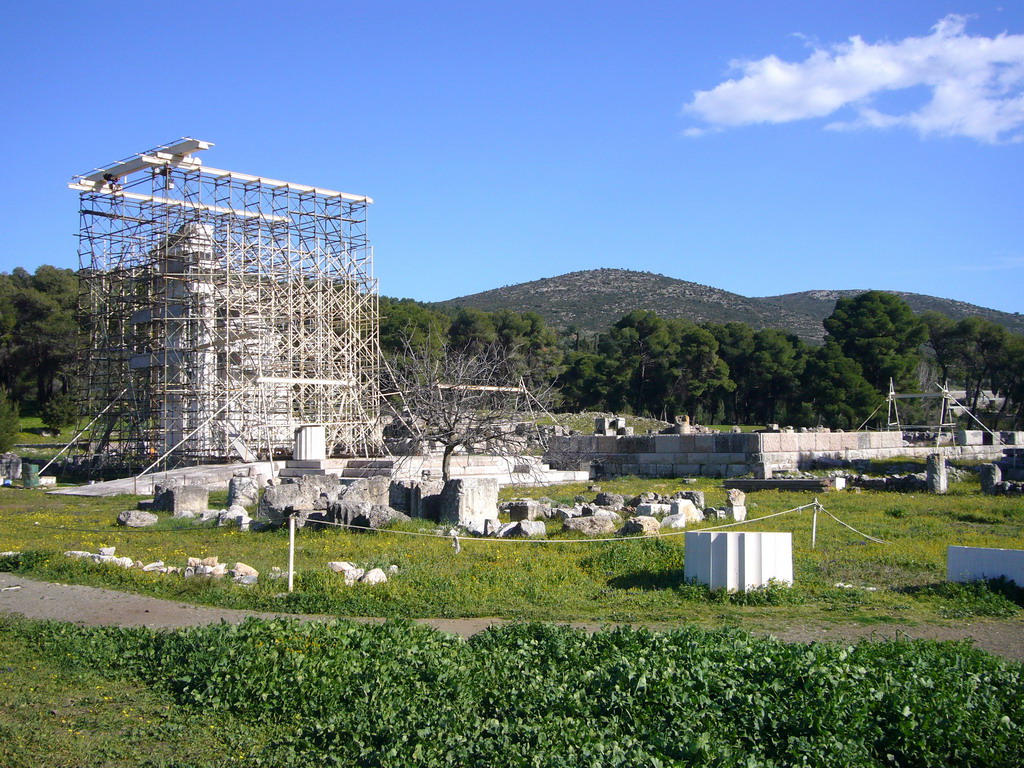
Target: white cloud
976, 86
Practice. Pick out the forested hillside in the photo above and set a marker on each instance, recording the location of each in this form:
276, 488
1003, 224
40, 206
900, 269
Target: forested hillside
640, 363
731, 372
594, 299
819, 305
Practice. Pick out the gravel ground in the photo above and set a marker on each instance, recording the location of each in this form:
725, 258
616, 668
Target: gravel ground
93, 606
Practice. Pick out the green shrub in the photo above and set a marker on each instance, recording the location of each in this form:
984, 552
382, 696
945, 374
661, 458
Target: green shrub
399, 694
23, 560
997, 598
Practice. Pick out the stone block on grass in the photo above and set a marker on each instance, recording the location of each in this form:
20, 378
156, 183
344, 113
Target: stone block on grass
525, 509
243, 491
594, 525
687, 509
136, 518
181, 500
653, 509
465, 501
641, 525
612, 501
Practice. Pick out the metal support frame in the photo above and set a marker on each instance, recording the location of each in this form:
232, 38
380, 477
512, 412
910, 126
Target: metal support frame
946, 418
229, 308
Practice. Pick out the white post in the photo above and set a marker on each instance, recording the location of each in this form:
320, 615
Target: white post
291, 552
814, 525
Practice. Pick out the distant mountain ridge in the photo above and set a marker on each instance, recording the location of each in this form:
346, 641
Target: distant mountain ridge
820, 303
596, 298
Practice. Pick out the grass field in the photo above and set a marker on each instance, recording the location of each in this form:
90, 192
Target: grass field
288, 693
641, 580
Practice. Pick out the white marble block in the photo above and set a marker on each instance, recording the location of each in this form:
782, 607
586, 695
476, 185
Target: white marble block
738, 561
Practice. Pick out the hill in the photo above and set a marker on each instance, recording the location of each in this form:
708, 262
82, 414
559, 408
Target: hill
596, 298
819, 304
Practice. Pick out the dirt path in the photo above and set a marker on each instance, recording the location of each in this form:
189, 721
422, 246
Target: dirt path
92, 606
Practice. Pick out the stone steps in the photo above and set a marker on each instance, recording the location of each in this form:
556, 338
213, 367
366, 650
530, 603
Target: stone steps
413, 467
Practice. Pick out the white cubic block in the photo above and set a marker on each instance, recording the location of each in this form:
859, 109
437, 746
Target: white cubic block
975, 563
310, 443
738, 561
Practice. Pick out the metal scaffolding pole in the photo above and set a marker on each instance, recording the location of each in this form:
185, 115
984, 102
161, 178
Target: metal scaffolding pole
228, 307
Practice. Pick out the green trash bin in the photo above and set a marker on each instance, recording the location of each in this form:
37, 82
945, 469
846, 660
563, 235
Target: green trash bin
30, 474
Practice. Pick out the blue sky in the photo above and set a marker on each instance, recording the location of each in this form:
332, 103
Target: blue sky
759, 147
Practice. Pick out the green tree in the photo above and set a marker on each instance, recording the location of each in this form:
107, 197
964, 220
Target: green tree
60, 412
836, 390
1011, 382
773, 375
583, 384
943, 344
407, 322
38, 331
661, 367
10, 424
979, 345
735, 346
530, 346
696, 371
472, 331
638, 348
881, 333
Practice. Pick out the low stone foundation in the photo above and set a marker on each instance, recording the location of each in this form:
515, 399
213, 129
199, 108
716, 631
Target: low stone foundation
736, 454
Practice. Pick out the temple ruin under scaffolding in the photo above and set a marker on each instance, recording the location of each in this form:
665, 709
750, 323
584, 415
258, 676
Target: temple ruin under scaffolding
222, 311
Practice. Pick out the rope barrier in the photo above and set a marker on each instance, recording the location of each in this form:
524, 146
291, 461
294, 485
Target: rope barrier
606, 539
456, 540
871, 538
119, 529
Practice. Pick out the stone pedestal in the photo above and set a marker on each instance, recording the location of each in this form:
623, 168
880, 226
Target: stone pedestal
468, 501
937, 479
182, 500
990, 475
736, 504
243, 491
310, 443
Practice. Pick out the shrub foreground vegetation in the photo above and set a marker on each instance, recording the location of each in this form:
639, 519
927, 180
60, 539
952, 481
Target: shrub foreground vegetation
398, 694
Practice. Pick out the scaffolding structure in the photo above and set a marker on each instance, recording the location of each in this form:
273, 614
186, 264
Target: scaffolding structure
222, 311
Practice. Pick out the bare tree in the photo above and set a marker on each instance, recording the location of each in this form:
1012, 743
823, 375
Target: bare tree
459, 399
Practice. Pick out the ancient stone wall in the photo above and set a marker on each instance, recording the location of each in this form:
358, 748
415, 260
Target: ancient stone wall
736, 454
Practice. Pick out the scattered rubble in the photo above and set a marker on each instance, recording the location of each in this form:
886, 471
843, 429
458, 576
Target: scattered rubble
523, 529
244, 490
136, 518
594, 524
354, 574
240, 573
641, 525
111, 559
